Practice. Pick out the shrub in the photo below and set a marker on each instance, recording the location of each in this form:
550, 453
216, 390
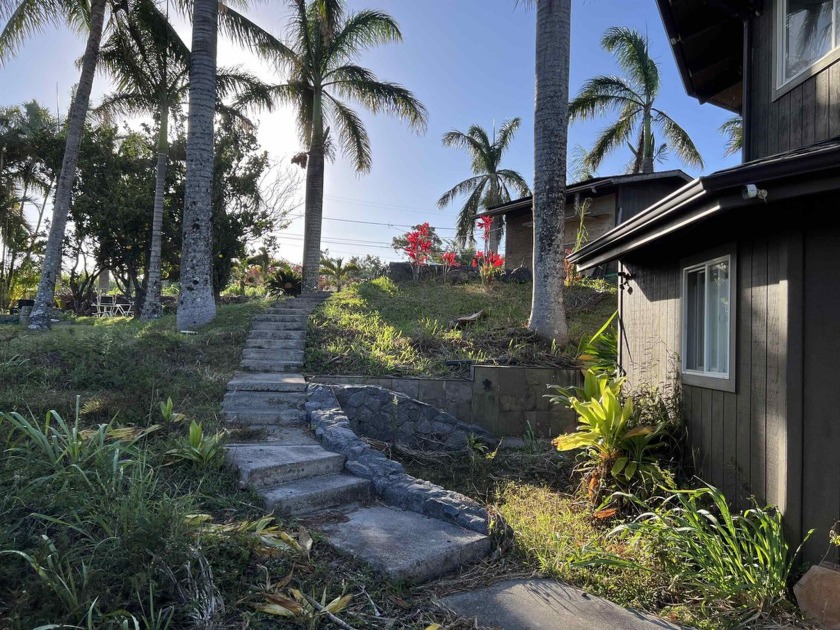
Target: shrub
286, 281
736, 563
600, 353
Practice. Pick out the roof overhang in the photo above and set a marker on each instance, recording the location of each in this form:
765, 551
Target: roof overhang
707, 39
785, 176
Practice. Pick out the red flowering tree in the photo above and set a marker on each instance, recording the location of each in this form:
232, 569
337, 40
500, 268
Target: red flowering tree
419, 249
489, 263
448, 260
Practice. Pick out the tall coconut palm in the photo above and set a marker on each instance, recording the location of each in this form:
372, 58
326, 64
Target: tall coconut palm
490, 184
150, 65
24, 17
548, 315
322, 74
633, 97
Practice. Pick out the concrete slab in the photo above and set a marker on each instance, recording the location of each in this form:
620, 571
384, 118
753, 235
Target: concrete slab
405, 546
279, 434
267, 382
546, 605
276, 344
264, 400
248, 416
306, 496
265, 464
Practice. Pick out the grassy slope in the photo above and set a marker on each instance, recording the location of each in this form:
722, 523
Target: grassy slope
122, 367
378, 328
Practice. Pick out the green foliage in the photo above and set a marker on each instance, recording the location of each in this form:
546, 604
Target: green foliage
336, 272
594, 385
737, 564
378, 327
600, 352
199, 449
285, 282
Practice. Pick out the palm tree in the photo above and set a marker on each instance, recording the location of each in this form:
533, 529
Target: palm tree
150, 65
733, 130
196, 303
23, 17
320, 61
548, 315
335, 269
633, 97
490, 184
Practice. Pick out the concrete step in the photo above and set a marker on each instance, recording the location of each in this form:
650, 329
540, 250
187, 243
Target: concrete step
405, 546
265, 465
298, 326
266, 382
252, 365
271, 333
293, 317
306, 496
246, 416
290, 435
276, 344
267, 401
269, 354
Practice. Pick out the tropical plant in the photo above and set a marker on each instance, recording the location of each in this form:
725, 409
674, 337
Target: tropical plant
733, 131
322, 70
633, 97
738, 563
600, 353
22, 18
198, 448
490, 184
551, 120
418, 249
488, 262
285, 281
612, 448
449, 261
337, 271
594, 385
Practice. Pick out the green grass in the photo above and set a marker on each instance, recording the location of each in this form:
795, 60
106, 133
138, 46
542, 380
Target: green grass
379, 328
122, 367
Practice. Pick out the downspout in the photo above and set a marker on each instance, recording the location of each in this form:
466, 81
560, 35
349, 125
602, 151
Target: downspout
746, 77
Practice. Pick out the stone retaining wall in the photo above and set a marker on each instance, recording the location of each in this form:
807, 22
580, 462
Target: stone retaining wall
333, 429
501, 400
389, 416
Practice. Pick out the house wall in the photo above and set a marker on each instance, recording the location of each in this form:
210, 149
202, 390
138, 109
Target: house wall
739, 439
806, 114
633, 198
519, 240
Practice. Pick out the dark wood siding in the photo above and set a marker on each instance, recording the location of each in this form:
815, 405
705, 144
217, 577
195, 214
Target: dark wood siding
738, 439
804, 115
633, 198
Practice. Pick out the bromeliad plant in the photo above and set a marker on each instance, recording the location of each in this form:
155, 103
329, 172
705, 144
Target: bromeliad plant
615, 453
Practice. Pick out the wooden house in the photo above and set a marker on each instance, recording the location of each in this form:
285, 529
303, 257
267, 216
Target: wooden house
731, 285
612, 200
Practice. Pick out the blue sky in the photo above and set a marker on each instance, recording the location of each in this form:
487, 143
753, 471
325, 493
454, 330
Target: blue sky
469, 61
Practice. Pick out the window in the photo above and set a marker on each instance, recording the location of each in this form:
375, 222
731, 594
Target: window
808, 32
707, 319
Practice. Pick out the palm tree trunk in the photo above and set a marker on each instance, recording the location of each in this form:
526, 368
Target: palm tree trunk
548, 315
496, 229
196, 304
314, 200
39, 319
151, 304
647, 161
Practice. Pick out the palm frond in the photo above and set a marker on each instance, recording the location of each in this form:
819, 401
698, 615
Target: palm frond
514, 179
125, 104
632, 50
733, 131
506, 133
353, 137
25, 18
678, 139
465, 187
600, 95
384, 96
465, 226
610, 139
360, 31
246, 33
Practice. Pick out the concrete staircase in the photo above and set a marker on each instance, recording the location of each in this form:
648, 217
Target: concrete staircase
297, 477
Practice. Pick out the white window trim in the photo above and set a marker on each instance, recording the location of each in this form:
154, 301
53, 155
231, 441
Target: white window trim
781, 85
712, 380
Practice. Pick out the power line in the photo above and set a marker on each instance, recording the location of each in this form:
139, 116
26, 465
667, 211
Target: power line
390, 225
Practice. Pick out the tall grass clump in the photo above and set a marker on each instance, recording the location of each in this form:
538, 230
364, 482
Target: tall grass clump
735, 564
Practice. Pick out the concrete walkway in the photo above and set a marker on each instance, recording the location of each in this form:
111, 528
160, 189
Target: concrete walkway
297, 477
546, 605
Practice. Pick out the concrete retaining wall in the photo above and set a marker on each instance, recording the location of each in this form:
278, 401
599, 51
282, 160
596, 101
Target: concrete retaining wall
502, 400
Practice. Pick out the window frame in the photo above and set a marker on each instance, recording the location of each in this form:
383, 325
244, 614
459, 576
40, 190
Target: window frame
709, 380
782, 86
